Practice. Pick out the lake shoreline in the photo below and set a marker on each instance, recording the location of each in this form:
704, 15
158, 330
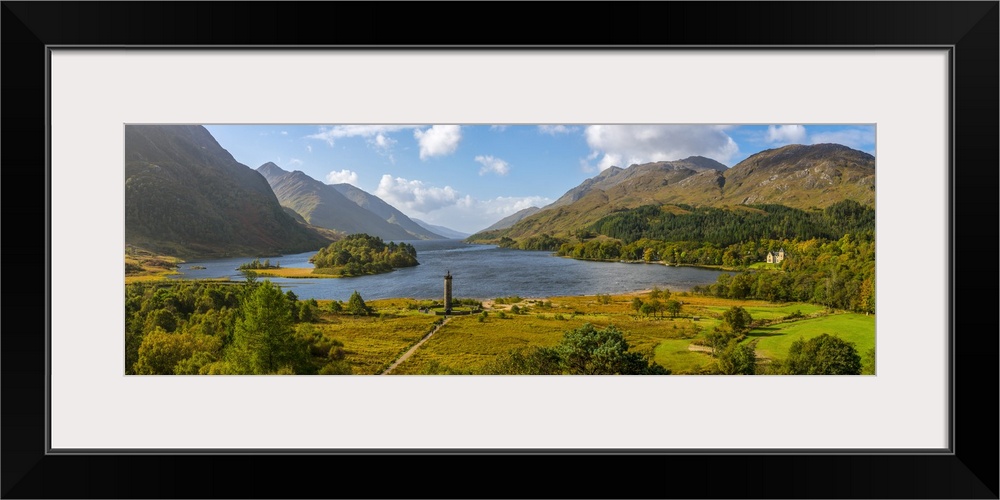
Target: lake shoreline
713, 267
479, 271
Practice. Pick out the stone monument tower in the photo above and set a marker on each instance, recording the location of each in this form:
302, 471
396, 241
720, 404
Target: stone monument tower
447, 292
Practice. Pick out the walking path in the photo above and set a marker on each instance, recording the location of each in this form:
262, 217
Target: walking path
416, 346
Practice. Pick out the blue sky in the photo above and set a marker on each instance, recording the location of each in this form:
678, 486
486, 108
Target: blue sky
466, 177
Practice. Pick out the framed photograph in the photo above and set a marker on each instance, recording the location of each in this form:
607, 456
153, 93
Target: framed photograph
912, 86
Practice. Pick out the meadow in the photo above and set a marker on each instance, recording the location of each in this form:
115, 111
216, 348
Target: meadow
141, 265
466, 344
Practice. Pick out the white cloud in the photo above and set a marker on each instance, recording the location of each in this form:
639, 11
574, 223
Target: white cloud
491, 164
470, 215
309, 148
785, 134
586, 167
623, 145
382, 144
439, 140
414, 194
376, 136
498, 128
331, 134
856, 138
294, 162
284, 132
383, 141
615, 159
342, 176
502, 206
447, 207
556, 129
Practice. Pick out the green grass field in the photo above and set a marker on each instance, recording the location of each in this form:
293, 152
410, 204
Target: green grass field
465, 344
676, 355
775, 340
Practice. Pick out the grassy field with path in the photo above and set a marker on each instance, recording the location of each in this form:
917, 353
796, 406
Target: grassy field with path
467, 343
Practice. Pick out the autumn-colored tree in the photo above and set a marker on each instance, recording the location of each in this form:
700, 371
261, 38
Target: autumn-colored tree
161, 351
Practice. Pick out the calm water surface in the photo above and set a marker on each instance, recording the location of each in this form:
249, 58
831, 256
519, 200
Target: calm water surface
479, 271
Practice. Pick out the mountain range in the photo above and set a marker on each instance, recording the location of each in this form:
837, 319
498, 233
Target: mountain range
799, 176
341, 207
387, 212
513, 218
443, 231
186, 196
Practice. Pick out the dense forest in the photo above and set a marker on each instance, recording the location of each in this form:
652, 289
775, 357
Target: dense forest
839, 274
724, 226
359, 254
541, 242
193, 328
835, 273
830, 254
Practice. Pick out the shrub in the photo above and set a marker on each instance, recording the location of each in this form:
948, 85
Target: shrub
822, 355
336, 353
794, 315
582, 351
338, 367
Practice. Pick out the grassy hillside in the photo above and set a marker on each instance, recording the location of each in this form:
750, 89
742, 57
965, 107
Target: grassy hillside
324, 206
187, 196
797, 176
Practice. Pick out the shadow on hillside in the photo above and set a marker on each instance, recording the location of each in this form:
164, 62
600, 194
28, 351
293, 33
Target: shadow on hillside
765, 331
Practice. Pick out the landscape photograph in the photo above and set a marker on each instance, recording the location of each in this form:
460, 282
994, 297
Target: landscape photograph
499, 249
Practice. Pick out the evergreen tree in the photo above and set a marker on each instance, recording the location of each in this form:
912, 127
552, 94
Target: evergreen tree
356, 305
263, 340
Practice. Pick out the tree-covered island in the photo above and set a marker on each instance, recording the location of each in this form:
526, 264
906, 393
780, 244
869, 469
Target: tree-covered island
360, 254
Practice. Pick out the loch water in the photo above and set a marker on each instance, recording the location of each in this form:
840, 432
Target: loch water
479, 271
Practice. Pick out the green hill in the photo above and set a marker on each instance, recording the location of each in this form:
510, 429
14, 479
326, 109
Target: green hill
796, 176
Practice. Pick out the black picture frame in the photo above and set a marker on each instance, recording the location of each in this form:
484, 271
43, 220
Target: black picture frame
969, 28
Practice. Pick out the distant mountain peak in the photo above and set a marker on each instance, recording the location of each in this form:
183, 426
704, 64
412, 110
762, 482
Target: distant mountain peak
341, 207
798, 155
389, 213
704, 162
512, 219
269, 170
656, 173
443, 231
